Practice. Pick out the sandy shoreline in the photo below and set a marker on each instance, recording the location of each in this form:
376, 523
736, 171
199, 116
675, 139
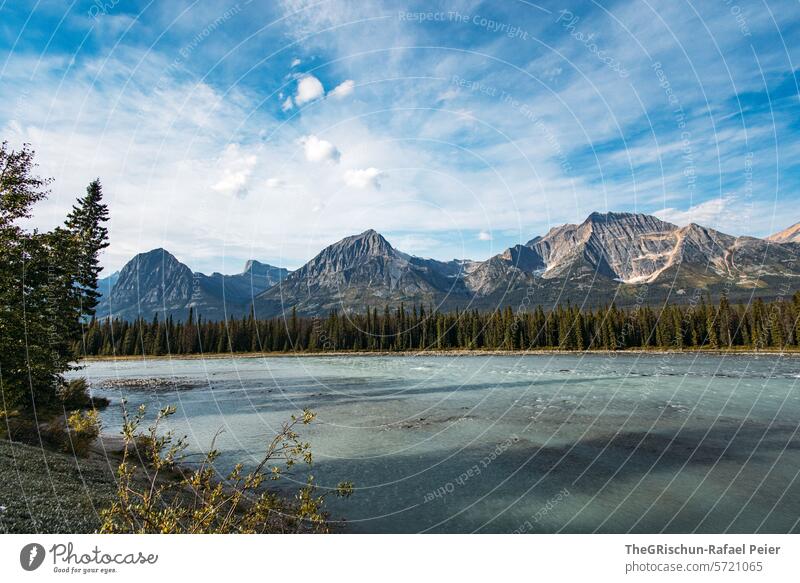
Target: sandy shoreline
451, 353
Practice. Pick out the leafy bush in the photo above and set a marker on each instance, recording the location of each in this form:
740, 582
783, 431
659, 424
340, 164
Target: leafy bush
196, 502
71, 433
53, 425
82, 429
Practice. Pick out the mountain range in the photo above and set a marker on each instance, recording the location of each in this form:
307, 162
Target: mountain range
625, 257
156, 282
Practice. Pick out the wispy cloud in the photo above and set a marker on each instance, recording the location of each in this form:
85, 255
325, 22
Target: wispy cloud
216, 153
236, 168
705, 213
343, 89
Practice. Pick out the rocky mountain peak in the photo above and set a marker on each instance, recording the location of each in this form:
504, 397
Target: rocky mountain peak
349, 252
155, 279
370, 242
623, 246
598, 217
157, 282
790, 235
152, 262
257, 268
636, 221
364, 269
257, 274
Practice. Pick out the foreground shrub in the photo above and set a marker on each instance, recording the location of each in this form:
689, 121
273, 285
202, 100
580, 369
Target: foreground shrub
68, 432
175, 499
82, 429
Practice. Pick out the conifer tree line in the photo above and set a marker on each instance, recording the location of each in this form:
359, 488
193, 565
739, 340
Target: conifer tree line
759, 325
48, 283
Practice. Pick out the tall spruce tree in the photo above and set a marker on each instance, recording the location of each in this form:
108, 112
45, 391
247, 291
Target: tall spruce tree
24, 357
85, 223
45, 279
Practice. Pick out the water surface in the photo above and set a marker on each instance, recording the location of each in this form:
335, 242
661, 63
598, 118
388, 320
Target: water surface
536, 443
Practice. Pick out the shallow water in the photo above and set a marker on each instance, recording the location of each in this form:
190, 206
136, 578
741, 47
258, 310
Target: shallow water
537, 443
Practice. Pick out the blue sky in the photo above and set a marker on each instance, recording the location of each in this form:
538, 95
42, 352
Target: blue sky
224, 131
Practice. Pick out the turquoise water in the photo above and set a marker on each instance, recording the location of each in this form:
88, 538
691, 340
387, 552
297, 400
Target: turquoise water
584, 443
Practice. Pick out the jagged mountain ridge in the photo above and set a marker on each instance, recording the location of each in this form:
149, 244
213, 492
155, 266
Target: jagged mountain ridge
790, 235
624, 246
639, 249
156, 282
608, 256
361, 270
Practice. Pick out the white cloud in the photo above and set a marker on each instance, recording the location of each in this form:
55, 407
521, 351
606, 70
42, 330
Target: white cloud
484, 236
432, 189
275, 183
706, 213
343, 89
287, 104
317, 150
309, 88
295, 62
237, 166
363, 178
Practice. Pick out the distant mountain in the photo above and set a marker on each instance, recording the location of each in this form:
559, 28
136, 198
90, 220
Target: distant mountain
640, 249
621, 257
611, 256
790, 235
359, 271
156, 282
106, 284
505, 271
626, 247
241, 288
588, 262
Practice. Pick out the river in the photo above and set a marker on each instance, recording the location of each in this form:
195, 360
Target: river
529, 443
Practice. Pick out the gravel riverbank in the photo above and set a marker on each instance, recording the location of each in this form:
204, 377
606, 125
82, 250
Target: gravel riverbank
43, 491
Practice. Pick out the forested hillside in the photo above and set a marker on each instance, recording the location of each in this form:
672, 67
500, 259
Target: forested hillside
759, 325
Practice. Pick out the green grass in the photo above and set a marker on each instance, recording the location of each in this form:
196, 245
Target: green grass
49, 492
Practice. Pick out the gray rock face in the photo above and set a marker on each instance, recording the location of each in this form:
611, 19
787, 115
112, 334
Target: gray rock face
366, 259
790, 235
360, 271
641, 249
157, 283
623, 246
264, 275
512, 267
150, 282
106, 284
241, 288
